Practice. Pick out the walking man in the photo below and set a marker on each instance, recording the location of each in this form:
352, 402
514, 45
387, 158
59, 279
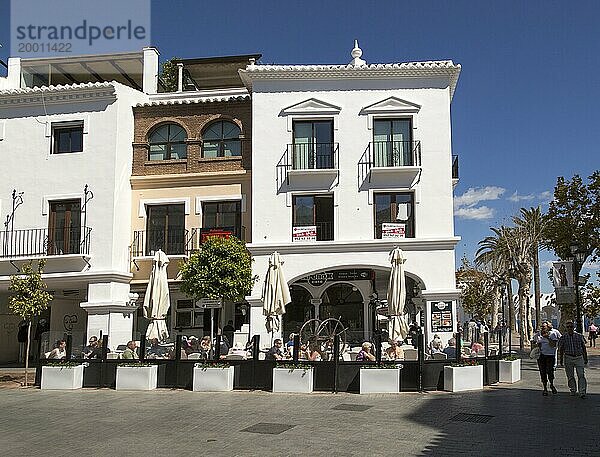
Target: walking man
572, 351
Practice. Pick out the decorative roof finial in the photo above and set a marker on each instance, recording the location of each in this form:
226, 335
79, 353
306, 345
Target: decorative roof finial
356, 54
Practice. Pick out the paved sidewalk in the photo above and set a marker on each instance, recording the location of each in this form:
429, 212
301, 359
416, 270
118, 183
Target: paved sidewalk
181, 423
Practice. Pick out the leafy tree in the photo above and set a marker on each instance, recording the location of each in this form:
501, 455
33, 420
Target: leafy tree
169, 75
29, 298
477, 289
590, 296
222, 268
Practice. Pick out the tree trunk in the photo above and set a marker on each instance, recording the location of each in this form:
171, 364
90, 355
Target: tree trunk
522, 317
495, 308
511, 307
536, 287
27, 351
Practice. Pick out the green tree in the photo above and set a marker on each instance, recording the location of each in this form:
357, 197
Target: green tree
590, 296
29, 298
222, 268
477, 290
169, 75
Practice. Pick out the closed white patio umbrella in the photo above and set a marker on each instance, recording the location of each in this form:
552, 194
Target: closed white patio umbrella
276, 294
396, 297
156, 300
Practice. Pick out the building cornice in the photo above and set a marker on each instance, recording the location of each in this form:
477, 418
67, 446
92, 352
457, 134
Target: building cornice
189, 179
407, 244
53, 280
441, 68
71, 93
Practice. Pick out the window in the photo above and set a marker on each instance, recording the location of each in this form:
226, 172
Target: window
167, 141
314, 211
64, 227
221, 139
392, 143
165, 229
188, 315
67, 137
226, 215
313, 145
397, 210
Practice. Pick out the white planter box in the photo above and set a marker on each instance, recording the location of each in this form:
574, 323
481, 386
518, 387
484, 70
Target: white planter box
137, 378
379, 380
296, 380
458, 379
509, 371
62, 378
213, 379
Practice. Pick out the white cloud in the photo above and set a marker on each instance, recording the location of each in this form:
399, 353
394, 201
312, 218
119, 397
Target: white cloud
475, 195
545, 196
517, 198
475, 212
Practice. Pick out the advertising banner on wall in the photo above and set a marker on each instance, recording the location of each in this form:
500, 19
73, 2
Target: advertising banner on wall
562, 278
393, 231
441, 317
306, 233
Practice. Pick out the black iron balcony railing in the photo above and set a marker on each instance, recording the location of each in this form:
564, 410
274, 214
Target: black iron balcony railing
454, 166
389, 154
324, 230
172, 241
307, 156
45, 242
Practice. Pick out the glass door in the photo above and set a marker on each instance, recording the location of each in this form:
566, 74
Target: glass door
313, 145
165, 229
64, 227
392, 143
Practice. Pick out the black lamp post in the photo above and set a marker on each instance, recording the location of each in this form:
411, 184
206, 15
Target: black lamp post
578, 259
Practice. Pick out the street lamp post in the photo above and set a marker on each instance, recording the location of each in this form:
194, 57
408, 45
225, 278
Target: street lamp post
578, 259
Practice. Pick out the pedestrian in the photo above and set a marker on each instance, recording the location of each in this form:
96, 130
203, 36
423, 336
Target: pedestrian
593, 333
547, 339
572, 351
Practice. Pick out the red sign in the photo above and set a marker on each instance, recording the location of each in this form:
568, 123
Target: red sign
218, 232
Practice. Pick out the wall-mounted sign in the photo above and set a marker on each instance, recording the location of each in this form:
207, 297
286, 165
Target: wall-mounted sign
319, 279
562, 274
306, 233
208, 303
218, 232
441, 317
392, 231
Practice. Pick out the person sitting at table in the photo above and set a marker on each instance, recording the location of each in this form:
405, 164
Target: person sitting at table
395, 352
290, 343
155, 351
97, 351
303, 352
450, 350
275, 353
436, 344
313, 354
92, 344
205, 346
365, 354
129, 352
59, 351
477, 346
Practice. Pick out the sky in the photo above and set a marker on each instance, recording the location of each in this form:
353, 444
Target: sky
525, 109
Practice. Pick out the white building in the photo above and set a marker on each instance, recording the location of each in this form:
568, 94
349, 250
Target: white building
349, 162
66, 128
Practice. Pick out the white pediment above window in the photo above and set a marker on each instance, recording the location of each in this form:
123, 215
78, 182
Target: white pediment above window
391, 105
312, 106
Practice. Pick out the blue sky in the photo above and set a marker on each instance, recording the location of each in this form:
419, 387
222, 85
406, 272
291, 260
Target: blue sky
525, 108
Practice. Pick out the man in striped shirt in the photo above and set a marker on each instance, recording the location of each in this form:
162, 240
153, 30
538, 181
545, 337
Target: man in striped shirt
571, 350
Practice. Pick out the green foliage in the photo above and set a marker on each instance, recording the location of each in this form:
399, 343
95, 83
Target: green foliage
574, 215
169, 75
221, 269
477, 289
29, 296
591, 299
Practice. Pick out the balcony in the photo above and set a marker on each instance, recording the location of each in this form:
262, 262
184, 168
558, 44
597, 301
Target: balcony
398, 158
454, 170
65, 250
310, 161
324, 232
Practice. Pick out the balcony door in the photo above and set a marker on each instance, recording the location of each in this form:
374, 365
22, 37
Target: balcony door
313, 145
392, 142
314, 210
165, 229
223, 215
64, 227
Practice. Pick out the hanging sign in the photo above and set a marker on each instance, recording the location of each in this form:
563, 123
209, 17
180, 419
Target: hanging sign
208, 303
306, 233
441, 317
392, 231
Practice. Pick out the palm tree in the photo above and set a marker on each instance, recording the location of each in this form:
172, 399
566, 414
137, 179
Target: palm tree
534, 223
512, 248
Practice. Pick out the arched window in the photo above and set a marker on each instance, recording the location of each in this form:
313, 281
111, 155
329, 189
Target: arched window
221, 139
167, 141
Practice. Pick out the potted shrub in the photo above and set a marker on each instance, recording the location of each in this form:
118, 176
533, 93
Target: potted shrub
217, 377
464, 375
376, 379
136, 376
509, 369
62, 376
293, 378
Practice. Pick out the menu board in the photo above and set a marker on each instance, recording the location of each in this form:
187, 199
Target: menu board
441, 317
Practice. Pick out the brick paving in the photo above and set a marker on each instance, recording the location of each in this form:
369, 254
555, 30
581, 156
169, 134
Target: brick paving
104, 422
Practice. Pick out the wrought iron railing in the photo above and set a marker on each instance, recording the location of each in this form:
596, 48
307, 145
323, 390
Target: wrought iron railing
45, 242
380, 154
172, 241
454, 166
307, 156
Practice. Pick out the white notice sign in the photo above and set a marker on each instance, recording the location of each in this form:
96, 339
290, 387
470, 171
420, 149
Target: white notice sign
306, 233
393, 231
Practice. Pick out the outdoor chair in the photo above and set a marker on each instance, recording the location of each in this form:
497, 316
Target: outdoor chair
194, 356
411, 354
234, 357
347, 357
112, 355
440, 356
